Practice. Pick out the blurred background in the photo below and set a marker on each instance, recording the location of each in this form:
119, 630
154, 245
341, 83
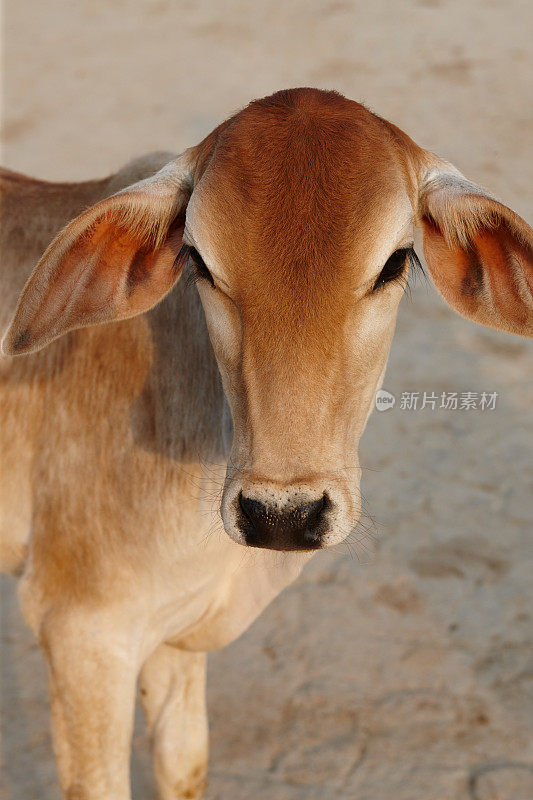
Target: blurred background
401, 668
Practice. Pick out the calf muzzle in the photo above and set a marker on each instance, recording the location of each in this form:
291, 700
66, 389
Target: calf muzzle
295, 526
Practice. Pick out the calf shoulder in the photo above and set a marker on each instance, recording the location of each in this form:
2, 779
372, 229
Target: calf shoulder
96, 428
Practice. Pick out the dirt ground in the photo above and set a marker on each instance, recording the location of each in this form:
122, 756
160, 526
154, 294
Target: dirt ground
401, 670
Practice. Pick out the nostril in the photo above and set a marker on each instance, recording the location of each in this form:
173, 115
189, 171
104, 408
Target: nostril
309, 513
252, 509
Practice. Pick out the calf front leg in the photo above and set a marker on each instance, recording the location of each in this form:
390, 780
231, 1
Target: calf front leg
92, 695
172, 687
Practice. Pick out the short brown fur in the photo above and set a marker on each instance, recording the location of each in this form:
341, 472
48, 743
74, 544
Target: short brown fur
115, 437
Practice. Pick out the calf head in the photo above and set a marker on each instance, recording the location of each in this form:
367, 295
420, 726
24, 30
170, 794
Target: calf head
298, 216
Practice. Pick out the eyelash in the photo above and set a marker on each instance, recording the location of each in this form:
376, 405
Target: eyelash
200, 270
394, 269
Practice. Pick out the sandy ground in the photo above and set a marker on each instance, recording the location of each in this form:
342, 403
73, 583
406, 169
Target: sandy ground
402, 670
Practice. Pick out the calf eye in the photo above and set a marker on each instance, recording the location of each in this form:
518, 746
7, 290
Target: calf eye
200, 267
394, 267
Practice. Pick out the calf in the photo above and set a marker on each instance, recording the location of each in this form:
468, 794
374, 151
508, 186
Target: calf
294, 220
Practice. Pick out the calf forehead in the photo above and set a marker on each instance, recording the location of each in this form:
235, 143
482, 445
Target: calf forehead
296, 185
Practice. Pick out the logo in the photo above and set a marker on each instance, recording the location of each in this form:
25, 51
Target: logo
384, 400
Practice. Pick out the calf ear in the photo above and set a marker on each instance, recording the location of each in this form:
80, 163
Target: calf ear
117, 259
478, 252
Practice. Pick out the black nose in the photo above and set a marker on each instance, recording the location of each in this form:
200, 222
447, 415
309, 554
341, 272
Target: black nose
294, 527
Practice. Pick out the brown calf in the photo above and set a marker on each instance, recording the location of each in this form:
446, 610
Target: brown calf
295, 219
